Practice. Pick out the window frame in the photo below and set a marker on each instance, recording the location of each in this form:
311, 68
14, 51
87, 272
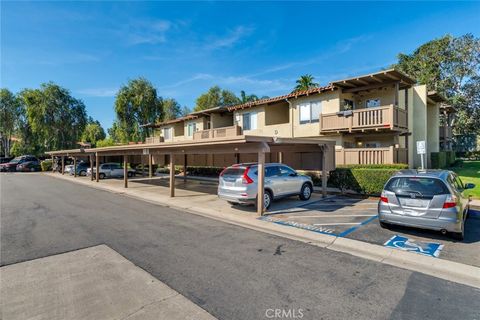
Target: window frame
372, 99
310, 110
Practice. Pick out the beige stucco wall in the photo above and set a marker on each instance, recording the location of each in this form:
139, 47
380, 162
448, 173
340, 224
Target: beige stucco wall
433, 135
220, 120
417, 123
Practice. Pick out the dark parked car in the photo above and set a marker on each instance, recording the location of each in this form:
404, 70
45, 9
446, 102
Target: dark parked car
81, 169
5, 159
29, 166
12, 165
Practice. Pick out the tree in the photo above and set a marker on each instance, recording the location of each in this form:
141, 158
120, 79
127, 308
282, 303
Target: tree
10, 112
55, 118
136, 103
244, 98
450, 66
171, 109
305, 82
93, 132
185, 111
216, 97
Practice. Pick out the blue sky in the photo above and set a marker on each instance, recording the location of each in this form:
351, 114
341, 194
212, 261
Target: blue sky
183, 48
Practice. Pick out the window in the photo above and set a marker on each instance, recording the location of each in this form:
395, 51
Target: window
167, 133
310, 111
191, 128
348, 104
372, 103
273, 171
249, 121
287, 172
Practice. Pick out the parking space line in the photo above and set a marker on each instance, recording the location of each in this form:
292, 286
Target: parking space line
335, 224
346, 232
333, 216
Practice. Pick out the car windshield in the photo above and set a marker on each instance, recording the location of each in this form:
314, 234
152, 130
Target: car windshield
427, 187
16, 160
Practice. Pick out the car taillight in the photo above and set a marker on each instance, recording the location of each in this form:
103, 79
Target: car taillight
384, 199
246, 179
450, 202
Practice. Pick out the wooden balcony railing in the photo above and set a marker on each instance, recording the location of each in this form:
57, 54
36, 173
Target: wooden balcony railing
218, 133
445, 132
154, 140
387, 155
385, 117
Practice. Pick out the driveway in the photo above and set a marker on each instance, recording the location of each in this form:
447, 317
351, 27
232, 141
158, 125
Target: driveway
230, 271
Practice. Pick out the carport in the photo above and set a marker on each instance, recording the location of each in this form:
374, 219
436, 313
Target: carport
282, 148
73, 153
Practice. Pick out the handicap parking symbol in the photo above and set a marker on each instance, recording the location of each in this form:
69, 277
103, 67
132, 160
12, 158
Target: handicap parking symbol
431, 249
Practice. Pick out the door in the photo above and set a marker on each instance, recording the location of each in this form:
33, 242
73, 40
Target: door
273, 180
117, 170
291, 184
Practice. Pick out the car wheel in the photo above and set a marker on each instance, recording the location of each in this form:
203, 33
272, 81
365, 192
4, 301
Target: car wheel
82, 173
306, 192
384, 224
102, 175
130, 174
267, 199
232, 203
32, 169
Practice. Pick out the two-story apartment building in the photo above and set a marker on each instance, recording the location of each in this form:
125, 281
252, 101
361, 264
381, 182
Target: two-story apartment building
373, 119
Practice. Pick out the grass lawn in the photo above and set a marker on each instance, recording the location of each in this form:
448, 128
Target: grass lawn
469, 172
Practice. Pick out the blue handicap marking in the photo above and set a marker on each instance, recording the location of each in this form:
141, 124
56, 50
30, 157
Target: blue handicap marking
431, 249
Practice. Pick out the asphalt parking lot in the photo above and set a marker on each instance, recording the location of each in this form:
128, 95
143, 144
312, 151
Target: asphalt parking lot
356, 218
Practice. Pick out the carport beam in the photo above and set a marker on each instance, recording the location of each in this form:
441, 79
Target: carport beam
63, 165
172, 175
125, 171
261, 183
75, 167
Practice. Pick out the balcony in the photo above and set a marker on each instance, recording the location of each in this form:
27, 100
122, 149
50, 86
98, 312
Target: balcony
218, 133
385, 117
151, 140
387, 155
445, 133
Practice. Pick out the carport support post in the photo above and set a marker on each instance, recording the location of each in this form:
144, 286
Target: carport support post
97, 173
261, 183
324, 174
184, 168
280, 157
53, 162
125, 171
150, 161
75, 167
91, 167
63, 164
172, 175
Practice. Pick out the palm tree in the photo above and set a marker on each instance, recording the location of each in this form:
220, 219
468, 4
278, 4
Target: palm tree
305, 82
248, 98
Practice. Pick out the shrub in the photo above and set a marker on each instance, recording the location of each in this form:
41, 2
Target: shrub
362, 180
398, 166
204, 171
450, 157
46, 165
438, 160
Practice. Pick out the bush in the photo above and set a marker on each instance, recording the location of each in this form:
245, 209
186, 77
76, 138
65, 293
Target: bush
398, 166
362, 180
204, 171
46, 165
450, 157
438, 159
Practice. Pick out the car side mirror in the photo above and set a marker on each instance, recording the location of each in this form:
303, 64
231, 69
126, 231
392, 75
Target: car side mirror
469, 186
293, 174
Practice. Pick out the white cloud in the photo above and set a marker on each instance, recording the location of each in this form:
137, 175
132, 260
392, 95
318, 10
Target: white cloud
152, 32
98, 92
229, 40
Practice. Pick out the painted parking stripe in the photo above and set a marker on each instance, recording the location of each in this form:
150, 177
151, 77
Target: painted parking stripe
333, 216
348, 231
336, 224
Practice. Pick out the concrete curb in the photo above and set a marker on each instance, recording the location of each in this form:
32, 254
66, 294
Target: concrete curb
440, 268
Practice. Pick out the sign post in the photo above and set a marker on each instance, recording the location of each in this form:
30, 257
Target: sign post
421, 150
